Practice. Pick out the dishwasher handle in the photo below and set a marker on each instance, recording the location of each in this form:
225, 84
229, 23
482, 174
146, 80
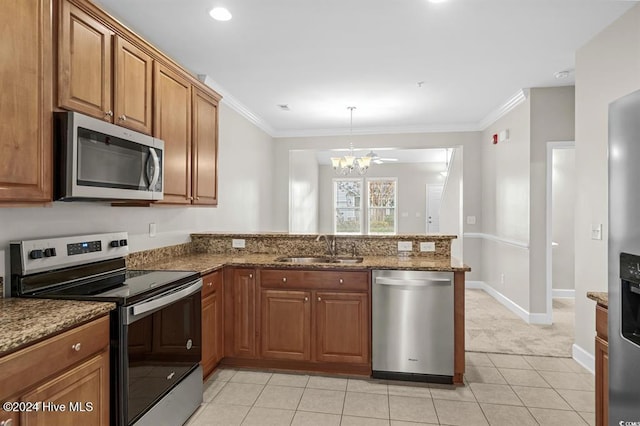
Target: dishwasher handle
403, 282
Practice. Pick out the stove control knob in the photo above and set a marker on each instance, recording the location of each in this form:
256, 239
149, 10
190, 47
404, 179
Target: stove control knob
49, 252
123, 243
35, 254
115, 243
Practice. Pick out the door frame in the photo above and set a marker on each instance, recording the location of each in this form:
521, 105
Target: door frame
551, 145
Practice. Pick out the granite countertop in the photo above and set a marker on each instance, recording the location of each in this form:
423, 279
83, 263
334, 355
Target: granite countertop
205, 263
601, 297
25, 321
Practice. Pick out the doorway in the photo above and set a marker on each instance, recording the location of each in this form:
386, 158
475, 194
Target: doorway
434, 196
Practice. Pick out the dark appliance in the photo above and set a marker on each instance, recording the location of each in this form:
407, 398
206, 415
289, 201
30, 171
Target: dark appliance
155, 329
624, 263
98, 160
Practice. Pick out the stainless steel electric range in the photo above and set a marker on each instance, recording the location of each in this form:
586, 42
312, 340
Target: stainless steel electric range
155, 329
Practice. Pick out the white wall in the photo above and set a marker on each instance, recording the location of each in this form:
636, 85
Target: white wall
411, 197
472, 173
451, 219
552, 119
505, 205
607, 68
563, 187
245, 197
303, 192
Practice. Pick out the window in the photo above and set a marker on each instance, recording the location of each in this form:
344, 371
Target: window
347, 201
382, 206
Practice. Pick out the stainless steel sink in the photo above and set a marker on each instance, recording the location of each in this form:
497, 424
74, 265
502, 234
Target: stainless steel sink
319, 259
304, 259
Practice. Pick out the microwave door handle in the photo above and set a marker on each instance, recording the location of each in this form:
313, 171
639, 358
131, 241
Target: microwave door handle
156, 168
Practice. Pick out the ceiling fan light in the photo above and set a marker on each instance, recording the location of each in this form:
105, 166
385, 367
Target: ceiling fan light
348, 160
365, 161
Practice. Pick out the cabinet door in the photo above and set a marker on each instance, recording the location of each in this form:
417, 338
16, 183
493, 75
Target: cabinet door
205, 148
342, 324
602, 382
286, 324
172, 124
84, 64
75, 389
212, 324
240, 313
25, 77
133, 73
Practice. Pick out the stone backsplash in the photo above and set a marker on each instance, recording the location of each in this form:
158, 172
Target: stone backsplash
136, 259
346, 245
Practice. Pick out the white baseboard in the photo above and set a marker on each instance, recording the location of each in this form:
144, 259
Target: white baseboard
563, 293
528, 317
584, 358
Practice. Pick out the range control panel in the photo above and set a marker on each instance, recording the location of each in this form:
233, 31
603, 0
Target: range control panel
31, 256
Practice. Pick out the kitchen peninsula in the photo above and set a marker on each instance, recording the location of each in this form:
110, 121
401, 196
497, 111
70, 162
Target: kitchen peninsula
261, 312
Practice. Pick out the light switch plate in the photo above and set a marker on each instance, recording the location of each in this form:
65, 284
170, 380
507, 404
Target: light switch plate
428, 246
152, 229
596, 232
237, 243
405, 246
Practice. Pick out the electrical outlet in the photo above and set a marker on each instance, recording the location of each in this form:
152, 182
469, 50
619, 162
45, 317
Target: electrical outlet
237, 243
471, 220
502, 278
428, 246
405, 246
152, 229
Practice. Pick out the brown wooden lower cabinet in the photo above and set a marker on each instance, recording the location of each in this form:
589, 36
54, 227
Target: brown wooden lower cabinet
70, 369
602, 367
240, 313
286, 324
342, 324
212, 321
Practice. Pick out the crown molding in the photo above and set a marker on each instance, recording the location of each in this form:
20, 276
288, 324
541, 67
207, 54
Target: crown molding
391, 130
515, 100
237, 106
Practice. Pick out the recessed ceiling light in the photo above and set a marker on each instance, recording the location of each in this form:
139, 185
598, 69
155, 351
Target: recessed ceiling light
284, 107
562, 74
220, 14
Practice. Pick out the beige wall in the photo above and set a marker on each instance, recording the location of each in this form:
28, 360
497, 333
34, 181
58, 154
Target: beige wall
303, 192
607, 68
245, 200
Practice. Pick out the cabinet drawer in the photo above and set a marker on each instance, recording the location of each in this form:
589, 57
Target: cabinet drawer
211, 282
601, 323
320, 280
281, 278
26, 367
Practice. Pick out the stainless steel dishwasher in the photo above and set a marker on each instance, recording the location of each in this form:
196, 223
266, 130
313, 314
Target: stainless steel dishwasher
412, 330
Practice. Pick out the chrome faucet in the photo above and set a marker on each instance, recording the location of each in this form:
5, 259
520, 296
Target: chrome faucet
331, 243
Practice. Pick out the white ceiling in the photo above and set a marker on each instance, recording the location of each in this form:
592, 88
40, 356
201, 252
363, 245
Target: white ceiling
320, 56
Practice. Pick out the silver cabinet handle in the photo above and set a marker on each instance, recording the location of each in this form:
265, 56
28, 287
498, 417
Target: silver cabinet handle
306, 299
319, 299
284, 280
341, 281
8, 422
210, 284
197, 198
108, 113
250, 275
123, 117
76, 347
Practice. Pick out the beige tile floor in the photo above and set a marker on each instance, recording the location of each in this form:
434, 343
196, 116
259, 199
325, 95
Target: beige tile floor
500, 390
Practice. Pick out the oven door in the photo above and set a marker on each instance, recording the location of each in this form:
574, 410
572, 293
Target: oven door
161, 339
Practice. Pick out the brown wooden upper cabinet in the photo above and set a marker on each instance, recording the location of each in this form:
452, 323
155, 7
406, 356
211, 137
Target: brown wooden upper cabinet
88, 81
205, 148
172, 124
25, 107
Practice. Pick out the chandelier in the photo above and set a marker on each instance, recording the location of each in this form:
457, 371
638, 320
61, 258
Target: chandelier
350, 163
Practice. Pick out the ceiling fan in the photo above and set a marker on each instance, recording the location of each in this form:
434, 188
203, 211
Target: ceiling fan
375, 158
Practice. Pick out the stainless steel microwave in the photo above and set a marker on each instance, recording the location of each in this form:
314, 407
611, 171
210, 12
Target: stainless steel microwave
97, 160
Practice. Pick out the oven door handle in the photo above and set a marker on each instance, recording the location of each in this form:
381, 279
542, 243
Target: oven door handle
165, 300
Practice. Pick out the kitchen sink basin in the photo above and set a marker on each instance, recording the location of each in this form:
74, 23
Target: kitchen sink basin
319, 259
